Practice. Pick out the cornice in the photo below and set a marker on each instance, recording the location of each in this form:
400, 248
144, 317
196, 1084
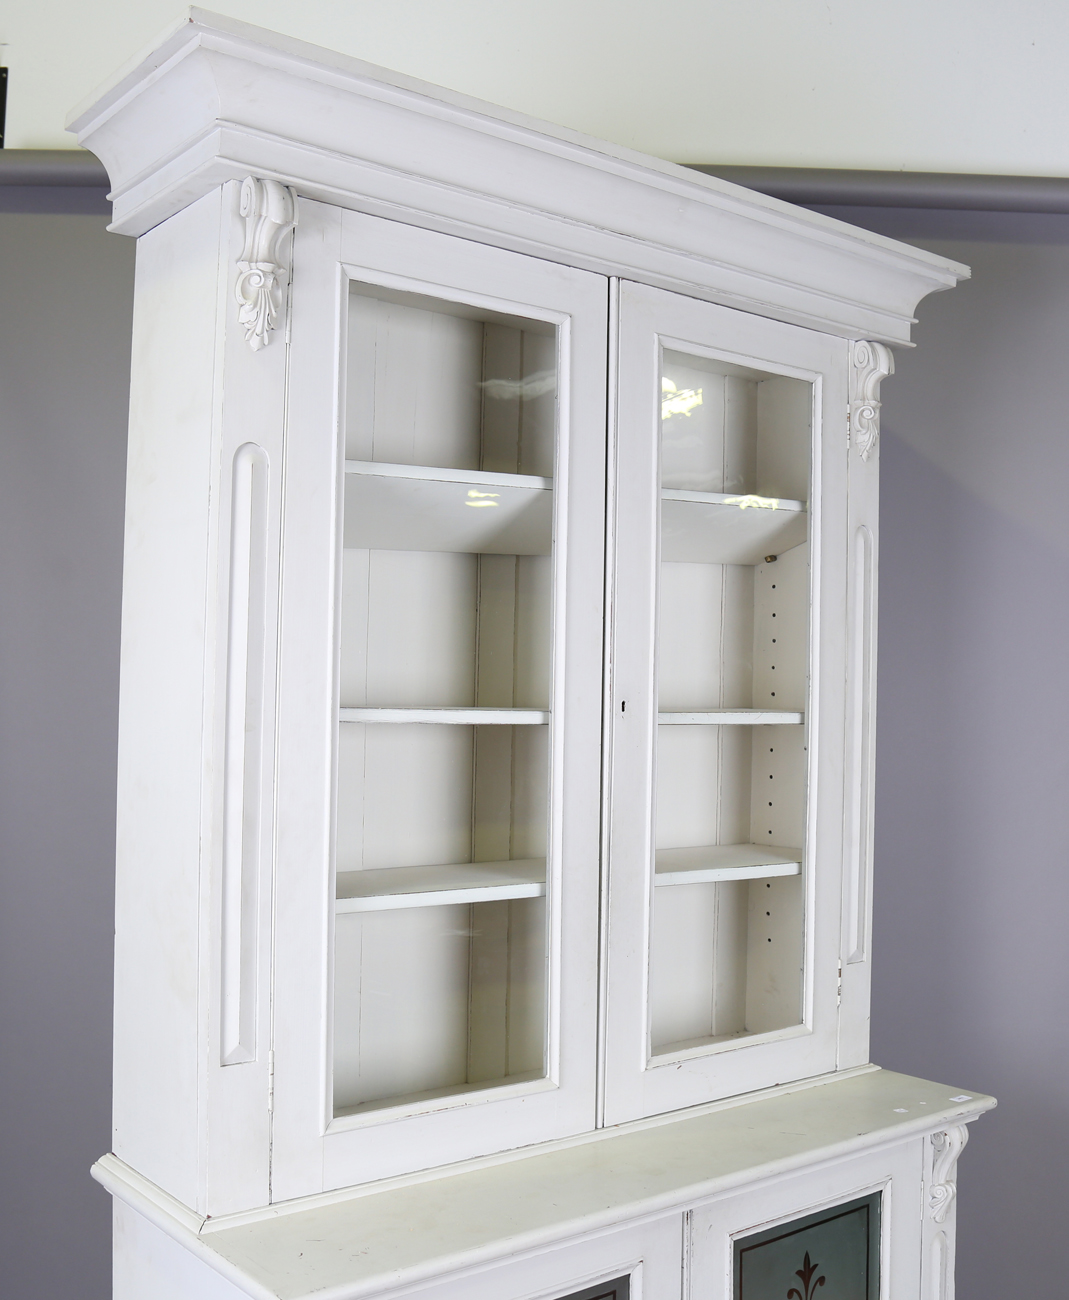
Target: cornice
219, 100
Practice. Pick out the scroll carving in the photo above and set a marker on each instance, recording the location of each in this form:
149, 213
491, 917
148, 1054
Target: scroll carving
870, 364
946, 1147
270, 212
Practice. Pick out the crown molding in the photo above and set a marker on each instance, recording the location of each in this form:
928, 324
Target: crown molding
219, 100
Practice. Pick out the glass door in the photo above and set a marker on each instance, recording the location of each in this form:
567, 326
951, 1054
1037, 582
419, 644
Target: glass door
718, 903
440, 710
446, 619
731, 659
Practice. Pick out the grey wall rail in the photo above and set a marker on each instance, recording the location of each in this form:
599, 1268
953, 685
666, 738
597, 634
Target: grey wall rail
51, 167
820, 187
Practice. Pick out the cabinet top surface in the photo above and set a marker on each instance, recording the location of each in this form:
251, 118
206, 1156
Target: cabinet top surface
218, 99
358, 1243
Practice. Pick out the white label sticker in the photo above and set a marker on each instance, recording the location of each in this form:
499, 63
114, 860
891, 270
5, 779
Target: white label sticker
961, 1098
900, 1110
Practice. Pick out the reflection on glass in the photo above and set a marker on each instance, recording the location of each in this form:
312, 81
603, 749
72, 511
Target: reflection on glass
440, 943
732, 669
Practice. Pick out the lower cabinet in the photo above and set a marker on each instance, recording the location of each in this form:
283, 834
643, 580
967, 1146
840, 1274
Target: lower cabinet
844, 1190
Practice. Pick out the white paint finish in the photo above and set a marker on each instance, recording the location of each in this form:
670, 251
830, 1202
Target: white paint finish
705, 643
469, 717
781, 631
400, 1003
894, 1171
242, 813
429, 515
697, 965
708, 424
647, 1253
269, 212
443, 474
413, 385
939, 1190
408, 630
249, 387
715, 784
450, 998
363, 1245
432, 631
732, 718
149, 1257
859, 737
775, 952
731, 530
186, 428
331, 249
158, 1044
778, 813
461, 882
404, 795
418, 1035
714, 862
218, 99
434, 385
151, 1262
437, 1001
784, 405
858, 826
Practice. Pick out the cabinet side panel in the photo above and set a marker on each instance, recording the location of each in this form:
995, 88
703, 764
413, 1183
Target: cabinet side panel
158, 1053
149, 1263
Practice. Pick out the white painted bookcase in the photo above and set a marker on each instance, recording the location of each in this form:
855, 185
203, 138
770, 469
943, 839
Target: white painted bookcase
496, 725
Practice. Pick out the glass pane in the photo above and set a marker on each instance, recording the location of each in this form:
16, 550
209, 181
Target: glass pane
732, 675
446, 600
834, 1252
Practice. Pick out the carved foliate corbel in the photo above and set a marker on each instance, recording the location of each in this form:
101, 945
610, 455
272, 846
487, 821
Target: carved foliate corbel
870, 364
270, 213
946, 1147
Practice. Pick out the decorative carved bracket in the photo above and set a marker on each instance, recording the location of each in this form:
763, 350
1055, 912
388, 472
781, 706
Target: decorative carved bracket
870, 364
946, 1148
270, 212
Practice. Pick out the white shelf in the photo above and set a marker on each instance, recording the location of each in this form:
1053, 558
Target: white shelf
734, 718
468, 717
392, 888
715, 862
422, 508
717, 528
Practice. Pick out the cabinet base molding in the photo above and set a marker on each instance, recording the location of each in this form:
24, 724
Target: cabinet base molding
782, 1154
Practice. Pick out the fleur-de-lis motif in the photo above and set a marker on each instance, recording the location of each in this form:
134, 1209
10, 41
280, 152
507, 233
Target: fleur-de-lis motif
806, 1274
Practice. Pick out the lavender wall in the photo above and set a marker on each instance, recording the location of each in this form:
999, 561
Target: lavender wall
65, 296
971, 959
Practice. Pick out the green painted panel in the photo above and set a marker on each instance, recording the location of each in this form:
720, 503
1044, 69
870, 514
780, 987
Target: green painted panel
833, 1254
